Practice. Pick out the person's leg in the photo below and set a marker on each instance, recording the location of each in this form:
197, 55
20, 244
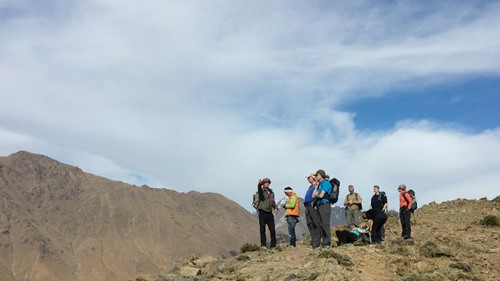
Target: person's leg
356, 217
382, 220
309, 223
315, 223
272, 229
341, 236
407, 222
376, 229
292, 221
262, 225
349, 217
324, 215
402, 221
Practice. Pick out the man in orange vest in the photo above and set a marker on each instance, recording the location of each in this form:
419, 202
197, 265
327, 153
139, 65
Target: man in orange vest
292, 213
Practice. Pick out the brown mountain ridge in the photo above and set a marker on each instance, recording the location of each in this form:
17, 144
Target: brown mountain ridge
60, 223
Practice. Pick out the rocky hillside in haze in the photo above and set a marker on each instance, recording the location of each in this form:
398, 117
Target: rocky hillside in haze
454, 240
60, 223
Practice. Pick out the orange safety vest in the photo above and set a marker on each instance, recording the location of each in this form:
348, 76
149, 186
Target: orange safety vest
296, 210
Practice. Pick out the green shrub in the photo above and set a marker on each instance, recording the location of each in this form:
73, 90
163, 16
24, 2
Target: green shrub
490, 220
248, 247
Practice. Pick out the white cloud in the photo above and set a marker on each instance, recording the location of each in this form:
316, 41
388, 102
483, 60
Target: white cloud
212, 96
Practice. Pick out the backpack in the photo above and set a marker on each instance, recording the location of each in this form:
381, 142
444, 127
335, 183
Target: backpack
414, 205
334, 197
382, 193
256, 201
360, 205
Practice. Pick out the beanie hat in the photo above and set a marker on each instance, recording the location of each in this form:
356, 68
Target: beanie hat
288, 189
266, 180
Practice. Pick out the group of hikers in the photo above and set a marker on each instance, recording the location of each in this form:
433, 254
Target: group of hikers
317, 204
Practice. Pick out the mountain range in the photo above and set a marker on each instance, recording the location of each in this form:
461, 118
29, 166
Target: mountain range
59, 223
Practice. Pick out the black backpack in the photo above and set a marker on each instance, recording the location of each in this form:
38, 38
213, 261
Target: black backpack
334, 197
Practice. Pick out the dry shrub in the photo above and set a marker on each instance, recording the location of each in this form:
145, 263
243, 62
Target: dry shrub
462, 266
432, 250
243, 258
248, 247
341, 259
490, 220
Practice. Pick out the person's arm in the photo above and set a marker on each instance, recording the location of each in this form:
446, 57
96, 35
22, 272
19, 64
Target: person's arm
317, 194
346, 202
293, 201
409, 200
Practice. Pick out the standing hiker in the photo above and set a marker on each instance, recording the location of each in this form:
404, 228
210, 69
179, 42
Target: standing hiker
263, 202
321, 193
405, 202
352, 205
292, 213
312, 218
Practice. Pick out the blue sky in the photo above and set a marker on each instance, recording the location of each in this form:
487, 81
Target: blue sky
211, 96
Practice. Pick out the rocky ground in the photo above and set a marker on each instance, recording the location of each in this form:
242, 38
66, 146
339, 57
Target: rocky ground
450, 242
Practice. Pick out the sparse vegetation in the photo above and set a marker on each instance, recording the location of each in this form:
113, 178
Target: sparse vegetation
490, 220
414, 276
248, 247
462, 266
140, 278
400, 250
341, 259
243, 258
432, 250
496, 200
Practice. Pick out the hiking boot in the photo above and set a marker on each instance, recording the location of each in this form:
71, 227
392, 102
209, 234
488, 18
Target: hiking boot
324, 248
407, 237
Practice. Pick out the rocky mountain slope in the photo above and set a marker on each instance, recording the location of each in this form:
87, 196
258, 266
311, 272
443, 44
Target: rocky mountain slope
60, 223
453, 240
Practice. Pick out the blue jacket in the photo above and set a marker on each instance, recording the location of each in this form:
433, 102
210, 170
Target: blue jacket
324, 185
308, 199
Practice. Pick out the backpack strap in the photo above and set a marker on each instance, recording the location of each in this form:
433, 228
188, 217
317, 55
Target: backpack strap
406, 199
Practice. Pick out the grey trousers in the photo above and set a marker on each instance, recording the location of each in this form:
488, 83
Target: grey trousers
313, 225
324, 212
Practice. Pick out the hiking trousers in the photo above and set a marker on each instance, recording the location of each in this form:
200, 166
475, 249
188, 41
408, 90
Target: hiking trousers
378, 223
313, 225
267, 218
404, 217
324, 212
352, 217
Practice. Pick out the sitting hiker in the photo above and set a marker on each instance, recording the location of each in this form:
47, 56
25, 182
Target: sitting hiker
346, 236
292, 213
